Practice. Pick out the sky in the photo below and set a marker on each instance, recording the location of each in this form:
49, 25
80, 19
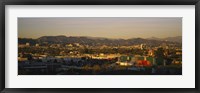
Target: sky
108, 27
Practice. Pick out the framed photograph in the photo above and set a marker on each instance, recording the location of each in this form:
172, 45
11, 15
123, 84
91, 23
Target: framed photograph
99, 46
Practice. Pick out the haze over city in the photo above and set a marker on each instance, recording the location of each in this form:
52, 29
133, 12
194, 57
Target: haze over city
108, 27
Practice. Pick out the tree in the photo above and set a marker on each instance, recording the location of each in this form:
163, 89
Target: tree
29, 57
96, 68
159, 53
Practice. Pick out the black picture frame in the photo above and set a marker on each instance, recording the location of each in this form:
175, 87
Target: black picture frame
3, 3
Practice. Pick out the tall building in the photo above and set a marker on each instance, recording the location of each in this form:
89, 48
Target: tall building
141, 46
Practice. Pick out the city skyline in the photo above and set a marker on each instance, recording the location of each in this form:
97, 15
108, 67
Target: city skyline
107, 27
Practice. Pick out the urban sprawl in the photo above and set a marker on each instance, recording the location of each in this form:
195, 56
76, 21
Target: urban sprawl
141, 57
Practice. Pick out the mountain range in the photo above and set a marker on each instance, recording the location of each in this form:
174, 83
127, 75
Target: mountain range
171, 39
99, 40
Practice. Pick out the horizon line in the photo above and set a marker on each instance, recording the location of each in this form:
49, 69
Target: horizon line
101, 37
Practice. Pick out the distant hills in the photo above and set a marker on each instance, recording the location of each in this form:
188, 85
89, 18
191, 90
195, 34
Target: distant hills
171, 39
99, 41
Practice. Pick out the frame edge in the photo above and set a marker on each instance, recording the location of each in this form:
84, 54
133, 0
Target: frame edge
2, 49
2, 44
197, 37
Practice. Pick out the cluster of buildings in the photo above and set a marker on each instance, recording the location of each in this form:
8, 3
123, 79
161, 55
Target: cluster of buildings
75, 59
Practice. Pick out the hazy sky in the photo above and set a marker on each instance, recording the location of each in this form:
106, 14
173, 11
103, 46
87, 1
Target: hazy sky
109, 27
